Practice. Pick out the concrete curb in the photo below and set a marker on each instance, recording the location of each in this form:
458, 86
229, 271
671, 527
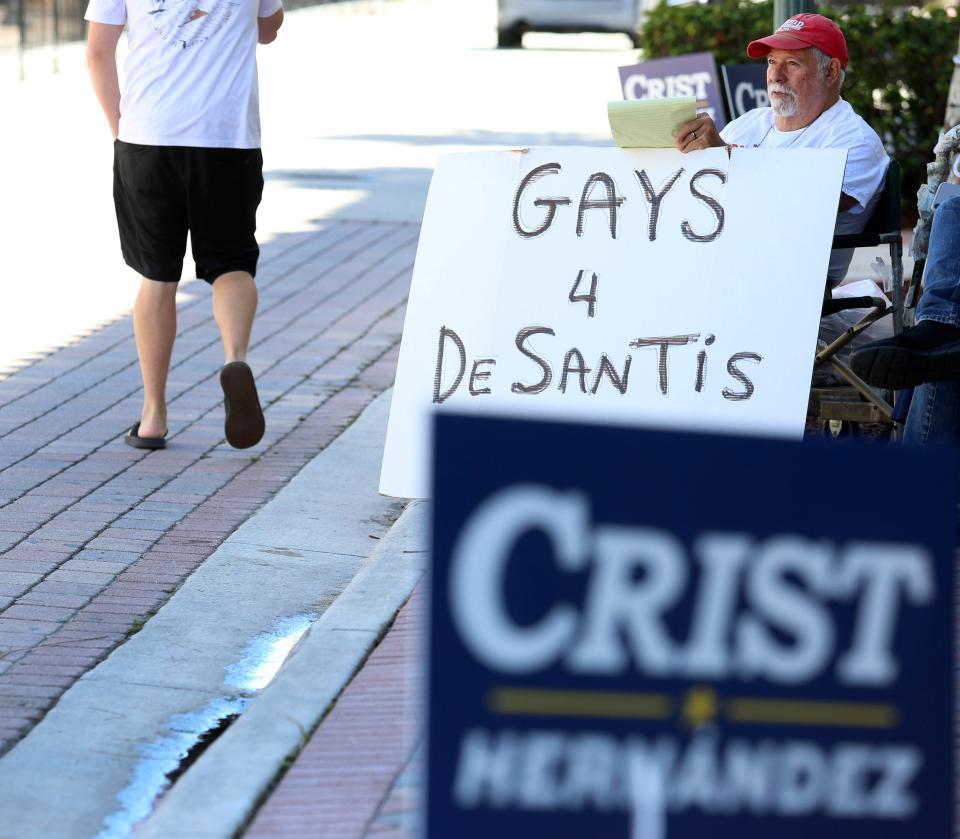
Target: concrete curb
219, 794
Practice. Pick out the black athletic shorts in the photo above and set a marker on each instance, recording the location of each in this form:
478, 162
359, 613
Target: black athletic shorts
161, 192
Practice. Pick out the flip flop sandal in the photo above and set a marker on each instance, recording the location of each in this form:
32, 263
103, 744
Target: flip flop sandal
134, 439
244, 424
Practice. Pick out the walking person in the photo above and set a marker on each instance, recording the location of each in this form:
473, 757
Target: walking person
186, 158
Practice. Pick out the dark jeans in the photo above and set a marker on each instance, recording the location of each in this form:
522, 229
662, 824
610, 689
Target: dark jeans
935, 409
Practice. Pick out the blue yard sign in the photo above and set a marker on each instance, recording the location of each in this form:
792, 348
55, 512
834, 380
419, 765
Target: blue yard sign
746, 87
679, 75
676, 636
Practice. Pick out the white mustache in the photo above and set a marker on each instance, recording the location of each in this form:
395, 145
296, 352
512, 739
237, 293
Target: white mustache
777, 87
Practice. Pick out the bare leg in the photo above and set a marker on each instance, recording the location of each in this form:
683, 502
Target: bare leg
155, 328
234, 305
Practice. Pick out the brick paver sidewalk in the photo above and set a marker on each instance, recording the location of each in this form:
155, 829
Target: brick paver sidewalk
359, 776
95, 536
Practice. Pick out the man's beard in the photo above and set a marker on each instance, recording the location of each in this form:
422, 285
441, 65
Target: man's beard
783, 107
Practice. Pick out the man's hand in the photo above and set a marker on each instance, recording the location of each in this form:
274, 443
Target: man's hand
699, 133
268, 26
102, 39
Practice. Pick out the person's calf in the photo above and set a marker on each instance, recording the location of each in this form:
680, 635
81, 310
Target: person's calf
155, 328
234, 306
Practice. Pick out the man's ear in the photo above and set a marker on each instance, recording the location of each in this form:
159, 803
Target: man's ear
833, 70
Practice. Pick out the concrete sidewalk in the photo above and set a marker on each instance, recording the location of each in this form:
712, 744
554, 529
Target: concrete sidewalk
208, 660
96, 536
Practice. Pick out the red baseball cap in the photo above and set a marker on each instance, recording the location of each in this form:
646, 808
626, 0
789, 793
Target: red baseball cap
802, 31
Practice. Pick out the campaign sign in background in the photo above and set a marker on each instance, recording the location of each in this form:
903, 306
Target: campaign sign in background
679, 75
781, 651
746, 87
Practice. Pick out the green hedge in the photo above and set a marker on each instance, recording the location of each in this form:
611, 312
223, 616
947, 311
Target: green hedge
897, 79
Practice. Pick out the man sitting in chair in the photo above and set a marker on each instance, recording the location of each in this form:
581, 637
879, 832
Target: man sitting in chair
806, 58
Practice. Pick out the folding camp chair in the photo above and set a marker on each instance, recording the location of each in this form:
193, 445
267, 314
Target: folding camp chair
842, 408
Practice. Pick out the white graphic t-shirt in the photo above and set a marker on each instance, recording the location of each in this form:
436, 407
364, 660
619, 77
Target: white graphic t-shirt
839, 127
191, 71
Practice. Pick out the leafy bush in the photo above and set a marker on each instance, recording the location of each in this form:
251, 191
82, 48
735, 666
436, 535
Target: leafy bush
897, 79
723, 28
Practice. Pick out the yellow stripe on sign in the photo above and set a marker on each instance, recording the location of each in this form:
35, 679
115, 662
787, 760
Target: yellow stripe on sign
579, 703
794, 712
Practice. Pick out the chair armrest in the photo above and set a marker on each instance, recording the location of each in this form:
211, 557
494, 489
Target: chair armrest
841, 304
866, 239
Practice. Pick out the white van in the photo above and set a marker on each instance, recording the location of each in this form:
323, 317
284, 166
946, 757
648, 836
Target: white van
519, 16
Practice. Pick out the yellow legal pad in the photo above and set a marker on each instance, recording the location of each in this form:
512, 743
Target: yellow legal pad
649, 123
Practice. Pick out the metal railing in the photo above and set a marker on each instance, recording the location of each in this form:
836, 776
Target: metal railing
40, 23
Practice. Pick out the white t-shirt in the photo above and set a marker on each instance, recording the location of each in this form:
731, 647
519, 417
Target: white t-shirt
839, 127
191, 70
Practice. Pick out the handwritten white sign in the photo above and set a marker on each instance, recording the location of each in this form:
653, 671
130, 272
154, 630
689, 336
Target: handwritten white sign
637, 286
